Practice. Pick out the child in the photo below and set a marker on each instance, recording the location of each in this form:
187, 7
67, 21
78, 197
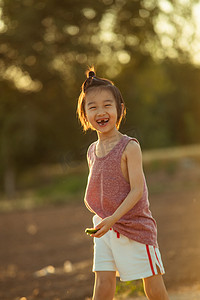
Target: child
126, 237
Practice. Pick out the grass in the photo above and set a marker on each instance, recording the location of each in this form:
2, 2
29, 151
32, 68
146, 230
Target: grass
62, 189
43, 188
129, 289
166, 170
169, 166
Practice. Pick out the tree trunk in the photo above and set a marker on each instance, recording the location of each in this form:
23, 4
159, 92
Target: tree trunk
9, 182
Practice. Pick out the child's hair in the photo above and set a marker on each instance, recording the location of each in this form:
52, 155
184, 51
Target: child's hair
101, 83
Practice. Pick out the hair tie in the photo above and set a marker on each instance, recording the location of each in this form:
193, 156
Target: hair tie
91, 74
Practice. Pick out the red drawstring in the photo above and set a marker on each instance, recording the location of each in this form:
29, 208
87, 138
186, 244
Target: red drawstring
118, 234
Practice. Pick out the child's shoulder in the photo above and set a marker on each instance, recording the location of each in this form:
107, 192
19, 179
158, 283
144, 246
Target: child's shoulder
90, 147
130, 139
132, 148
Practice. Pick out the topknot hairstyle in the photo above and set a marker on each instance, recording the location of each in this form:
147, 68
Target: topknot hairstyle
91, 74
92, 82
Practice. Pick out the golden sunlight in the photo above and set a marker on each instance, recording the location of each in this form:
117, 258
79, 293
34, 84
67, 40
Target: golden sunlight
21, 80
196, 44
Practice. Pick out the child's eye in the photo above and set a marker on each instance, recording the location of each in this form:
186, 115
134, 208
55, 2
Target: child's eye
92, 107
108, 105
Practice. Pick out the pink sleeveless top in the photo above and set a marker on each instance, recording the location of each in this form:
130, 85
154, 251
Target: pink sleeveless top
107, 188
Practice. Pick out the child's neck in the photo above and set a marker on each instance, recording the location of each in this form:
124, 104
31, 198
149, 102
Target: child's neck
113, 136
106, 142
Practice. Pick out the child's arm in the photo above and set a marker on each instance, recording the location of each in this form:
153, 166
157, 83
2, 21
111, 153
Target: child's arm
136, 179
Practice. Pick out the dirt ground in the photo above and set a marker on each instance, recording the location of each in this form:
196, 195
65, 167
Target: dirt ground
45, 254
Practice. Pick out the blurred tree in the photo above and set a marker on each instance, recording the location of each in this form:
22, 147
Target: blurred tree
163, 103
44, 49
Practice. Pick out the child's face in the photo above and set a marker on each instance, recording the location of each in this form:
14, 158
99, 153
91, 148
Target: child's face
101, 110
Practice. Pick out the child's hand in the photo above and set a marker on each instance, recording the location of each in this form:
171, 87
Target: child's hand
104, 226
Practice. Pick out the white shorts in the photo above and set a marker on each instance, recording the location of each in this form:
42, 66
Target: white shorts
130, 259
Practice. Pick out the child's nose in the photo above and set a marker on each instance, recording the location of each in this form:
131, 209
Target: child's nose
101, 112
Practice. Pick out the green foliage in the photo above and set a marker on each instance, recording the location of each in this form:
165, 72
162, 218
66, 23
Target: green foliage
63, 187
45, 49
54, 190
168, 166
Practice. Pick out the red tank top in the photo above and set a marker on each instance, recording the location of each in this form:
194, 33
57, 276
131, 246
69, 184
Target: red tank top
107, 188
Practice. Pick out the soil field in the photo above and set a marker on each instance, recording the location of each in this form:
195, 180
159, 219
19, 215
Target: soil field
45, 254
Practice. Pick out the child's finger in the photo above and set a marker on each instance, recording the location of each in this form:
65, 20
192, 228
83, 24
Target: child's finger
99, 233
99, 226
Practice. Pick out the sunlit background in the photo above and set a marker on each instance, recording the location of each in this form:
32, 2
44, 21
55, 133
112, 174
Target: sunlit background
149, 48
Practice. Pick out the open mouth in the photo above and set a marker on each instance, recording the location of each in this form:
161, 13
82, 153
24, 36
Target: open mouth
102, 122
